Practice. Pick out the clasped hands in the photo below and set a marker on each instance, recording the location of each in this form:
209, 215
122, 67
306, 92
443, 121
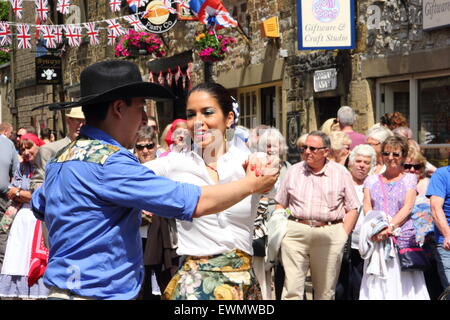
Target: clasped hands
383, 234
265, 167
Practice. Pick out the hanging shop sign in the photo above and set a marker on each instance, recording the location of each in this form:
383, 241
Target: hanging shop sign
159, 16
325, 80
48, 70
436, 14
326, 24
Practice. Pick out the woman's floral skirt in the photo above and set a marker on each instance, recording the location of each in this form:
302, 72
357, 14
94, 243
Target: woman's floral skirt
227, 276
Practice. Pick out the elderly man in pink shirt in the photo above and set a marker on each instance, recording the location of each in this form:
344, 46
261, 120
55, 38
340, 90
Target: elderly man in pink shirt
323, 204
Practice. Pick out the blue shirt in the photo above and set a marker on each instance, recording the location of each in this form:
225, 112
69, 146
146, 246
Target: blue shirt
440, 186
90, 201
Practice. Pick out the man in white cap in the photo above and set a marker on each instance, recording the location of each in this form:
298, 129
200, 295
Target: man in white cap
74, 120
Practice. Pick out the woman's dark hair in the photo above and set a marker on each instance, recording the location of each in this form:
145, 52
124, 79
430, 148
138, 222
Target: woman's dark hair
25, 144
219, 92
45, 133
97, 112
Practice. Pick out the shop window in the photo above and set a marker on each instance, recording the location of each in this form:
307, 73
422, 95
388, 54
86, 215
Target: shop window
260, 105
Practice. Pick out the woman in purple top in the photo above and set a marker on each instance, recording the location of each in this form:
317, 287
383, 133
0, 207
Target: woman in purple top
394, 193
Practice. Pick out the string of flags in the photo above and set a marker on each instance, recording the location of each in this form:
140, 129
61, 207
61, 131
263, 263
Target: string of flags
208, 11
169, 77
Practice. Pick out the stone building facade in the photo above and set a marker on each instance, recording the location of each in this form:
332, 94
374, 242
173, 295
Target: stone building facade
394, 67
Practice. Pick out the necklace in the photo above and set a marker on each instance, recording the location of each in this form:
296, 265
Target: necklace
212, 168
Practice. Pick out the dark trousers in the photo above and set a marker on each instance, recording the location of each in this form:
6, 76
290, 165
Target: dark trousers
349, 282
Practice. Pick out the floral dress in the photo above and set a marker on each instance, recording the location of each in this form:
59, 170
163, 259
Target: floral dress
227, 276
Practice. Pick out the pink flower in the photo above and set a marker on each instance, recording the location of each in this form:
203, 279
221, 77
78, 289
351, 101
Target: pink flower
210, 32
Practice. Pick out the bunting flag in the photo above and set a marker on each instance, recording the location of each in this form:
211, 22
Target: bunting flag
115, 5
183, 77
167, 4
111, 38
23, 36
42, 9
115, 28
92, 32
178, 75
134, 4
5, 34
74, 35
212, 12
150, 77
63, 6
169, 78
161, 78
48, 34
58, 33
188, 75
135, 23
17, 6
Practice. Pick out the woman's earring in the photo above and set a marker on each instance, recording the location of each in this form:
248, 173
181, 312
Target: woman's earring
229, 134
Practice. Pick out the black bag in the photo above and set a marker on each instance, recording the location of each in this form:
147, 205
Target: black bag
259, 246
413, 259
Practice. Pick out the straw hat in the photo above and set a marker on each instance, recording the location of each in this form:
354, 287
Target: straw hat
76, 113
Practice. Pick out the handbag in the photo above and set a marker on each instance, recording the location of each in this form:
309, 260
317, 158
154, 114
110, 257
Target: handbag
259, 246
412, 258
8, 217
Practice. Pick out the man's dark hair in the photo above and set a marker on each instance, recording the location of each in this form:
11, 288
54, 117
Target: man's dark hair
94, 113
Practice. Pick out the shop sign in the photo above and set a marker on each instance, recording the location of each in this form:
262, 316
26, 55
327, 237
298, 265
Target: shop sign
48, 70
436, 14
325, 80
326, 24
157, 17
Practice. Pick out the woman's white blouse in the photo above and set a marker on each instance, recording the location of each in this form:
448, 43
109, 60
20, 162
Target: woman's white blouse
215, 233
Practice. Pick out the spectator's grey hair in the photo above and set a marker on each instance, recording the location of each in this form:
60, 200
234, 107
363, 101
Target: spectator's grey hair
272, 134
379, 133
147, 133
346, 116
364, 150
325, 139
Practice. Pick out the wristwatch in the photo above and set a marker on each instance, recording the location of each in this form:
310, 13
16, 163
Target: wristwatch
18, 193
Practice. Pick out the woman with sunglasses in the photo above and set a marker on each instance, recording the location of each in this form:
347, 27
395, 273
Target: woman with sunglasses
393, 192
217, 250
421, 216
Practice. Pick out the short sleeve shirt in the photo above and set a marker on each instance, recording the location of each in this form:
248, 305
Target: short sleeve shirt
440, 186
324, 196
90, 201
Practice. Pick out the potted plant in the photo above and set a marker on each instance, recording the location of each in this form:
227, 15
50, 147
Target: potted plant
212, 47
134, 43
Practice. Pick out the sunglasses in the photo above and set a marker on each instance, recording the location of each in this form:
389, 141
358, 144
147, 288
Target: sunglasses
394, 154
408, 166
313, 149
142, 146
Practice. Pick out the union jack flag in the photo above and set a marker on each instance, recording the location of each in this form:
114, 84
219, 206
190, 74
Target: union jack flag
150, 77
93, 33
115, 28
111, 38
134, 4
42, 9
23, 36
5, 34
115, 5
161, 78
73, 33
134, 21
17, 6
63, 6
169, 78
58, 32
212, 12
178, 75
48, 34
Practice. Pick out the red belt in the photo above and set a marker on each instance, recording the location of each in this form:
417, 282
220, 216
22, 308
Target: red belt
314, 223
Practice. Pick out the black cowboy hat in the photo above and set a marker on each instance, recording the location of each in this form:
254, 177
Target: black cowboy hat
110, 80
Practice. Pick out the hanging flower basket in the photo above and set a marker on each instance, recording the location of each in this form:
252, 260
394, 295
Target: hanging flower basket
135, 43
212, 47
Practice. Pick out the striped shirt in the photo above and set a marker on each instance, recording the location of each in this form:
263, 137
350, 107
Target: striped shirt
324, 196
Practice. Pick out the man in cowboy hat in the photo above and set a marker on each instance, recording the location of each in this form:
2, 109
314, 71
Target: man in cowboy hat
95, 189
74, 120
